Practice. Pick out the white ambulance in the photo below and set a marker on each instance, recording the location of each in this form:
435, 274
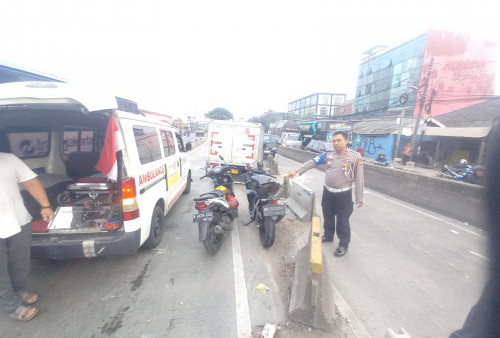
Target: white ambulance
62, 136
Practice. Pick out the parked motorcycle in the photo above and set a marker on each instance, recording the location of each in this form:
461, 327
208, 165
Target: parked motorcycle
460, 172
217, 209
261, 190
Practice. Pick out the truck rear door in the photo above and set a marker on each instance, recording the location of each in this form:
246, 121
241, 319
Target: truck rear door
220, 142
245, 144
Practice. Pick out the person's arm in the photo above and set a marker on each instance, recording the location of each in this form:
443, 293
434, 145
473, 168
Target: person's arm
36, 190
308, 165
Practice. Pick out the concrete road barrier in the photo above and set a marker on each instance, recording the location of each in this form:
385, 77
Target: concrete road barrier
459, 200
271, 164
197, 141
311, 302
300, 200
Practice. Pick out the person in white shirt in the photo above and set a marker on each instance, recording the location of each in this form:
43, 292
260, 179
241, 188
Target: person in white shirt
15, 235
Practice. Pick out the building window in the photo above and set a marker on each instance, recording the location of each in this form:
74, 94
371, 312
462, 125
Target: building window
368, 89
325, 99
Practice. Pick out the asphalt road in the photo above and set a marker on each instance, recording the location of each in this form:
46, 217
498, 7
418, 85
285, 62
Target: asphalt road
406, 267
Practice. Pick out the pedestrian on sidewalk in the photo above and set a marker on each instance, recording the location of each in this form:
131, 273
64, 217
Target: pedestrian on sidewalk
343, 167
407, 152
15, 236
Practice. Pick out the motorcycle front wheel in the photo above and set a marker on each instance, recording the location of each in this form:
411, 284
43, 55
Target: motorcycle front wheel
267, 231
213, 240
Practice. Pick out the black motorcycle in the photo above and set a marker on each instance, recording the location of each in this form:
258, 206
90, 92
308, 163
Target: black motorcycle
217, 209
261, 190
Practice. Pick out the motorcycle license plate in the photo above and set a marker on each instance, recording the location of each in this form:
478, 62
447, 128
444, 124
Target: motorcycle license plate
273, 210
203, 217
234, 171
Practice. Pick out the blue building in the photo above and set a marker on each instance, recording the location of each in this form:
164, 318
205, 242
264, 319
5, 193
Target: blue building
372, 137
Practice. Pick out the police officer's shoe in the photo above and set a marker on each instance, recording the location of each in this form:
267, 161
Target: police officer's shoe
341, 251
326, 239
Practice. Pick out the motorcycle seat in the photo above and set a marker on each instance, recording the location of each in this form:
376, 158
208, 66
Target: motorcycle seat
209, 195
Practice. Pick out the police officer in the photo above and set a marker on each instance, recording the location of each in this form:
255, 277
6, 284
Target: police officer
343, 167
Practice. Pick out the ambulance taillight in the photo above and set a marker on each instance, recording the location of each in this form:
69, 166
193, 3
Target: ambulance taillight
129, 200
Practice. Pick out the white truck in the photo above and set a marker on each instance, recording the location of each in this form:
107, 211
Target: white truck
238, 143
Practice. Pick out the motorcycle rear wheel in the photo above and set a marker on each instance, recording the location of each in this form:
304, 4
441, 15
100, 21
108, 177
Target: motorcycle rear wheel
267, 231
213, 240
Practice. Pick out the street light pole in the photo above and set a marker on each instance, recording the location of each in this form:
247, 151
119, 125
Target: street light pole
421, 108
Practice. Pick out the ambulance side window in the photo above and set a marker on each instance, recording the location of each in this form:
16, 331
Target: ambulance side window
168, 142
148, 145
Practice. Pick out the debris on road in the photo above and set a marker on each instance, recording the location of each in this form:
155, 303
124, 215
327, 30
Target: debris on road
262, 288
269, 330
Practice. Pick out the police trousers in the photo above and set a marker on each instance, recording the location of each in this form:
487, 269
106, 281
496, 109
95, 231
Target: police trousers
337, 208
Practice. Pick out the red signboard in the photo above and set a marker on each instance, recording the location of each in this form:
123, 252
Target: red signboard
463, 72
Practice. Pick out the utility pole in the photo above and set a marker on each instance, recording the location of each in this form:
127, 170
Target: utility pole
421, 108
401, 119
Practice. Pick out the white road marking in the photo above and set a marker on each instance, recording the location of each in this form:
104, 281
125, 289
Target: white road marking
429, 215
455, 232
243, 323
478, 255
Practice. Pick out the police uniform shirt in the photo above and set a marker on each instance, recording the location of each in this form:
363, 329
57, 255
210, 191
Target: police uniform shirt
341, 170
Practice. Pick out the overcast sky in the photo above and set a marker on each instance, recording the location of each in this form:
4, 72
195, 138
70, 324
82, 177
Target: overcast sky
184, 58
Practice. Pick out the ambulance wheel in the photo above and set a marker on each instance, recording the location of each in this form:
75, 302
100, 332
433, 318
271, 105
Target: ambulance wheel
188, 185
156, 230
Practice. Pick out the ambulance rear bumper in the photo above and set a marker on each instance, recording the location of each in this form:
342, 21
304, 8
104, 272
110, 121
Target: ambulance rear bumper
75, 246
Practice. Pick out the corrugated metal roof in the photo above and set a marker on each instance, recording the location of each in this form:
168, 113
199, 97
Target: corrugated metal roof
479, 115
380, 127
472, 132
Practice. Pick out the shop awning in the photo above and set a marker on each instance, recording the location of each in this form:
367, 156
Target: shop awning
473, 132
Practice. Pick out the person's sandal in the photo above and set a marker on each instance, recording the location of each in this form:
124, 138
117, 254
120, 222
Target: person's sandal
24, 313
29, 298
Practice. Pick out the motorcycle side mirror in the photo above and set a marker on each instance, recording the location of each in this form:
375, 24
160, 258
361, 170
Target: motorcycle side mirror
222, 158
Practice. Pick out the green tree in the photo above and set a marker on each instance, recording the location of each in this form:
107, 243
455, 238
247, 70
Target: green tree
265, 119
219, 114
